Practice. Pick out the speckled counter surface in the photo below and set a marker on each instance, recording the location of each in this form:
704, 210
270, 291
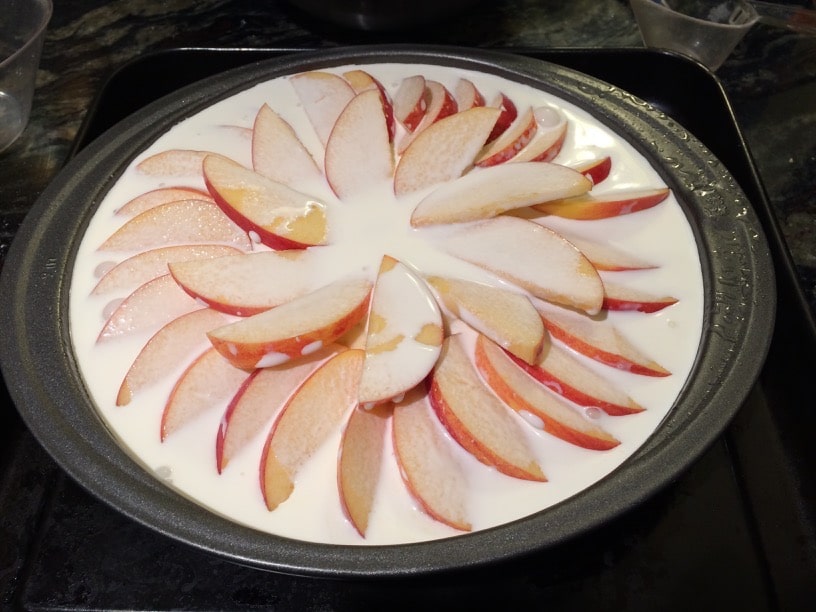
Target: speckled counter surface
770, 79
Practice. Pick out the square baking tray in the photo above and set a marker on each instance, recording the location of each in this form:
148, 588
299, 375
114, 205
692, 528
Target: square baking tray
736, 530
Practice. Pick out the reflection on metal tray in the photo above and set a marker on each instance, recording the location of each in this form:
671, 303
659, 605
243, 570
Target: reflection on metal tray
736, 529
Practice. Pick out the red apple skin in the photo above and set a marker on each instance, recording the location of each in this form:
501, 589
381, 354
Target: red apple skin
508, 115
272, 240
596, 170
316, 408
409, 110
620, 304
453, 424
589, 207
513, 399
571, 393
360, 80
250, 354
598, 354
410, 450
520, 137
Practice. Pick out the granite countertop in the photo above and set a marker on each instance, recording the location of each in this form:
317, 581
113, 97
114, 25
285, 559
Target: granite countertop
770, 80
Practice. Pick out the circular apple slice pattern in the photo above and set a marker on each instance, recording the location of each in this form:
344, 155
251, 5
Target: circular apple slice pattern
413, 367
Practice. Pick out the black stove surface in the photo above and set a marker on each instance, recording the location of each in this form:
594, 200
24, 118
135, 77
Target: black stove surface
735, 531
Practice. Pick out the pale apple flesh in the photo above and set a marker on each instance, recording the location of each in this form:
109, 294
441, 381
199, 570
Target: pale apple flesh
350, 167
245, 284
275, 214
170, 224
161, 195
409, 102
278, 153
610, 204
294, 329
324, 96
443, 151
476, 418
566, 375
149, 306
166, 348
600, 340
513, 140
506, 317
260, 397
525, 395
489, 192
427, 463
208, 381
316, 409
467, 95
147, 265
359, 463
513, 248
548, 138
361, 81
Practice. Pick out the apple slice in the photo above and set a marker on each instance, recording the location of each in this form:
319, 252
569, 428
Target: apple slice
296, 328
514, 249
508, 115
597, 170
274, 214
361, 81
409, 102
156, 197
359, 463
166, 348
358, 152
601, 341
260, 397
443, 151
247, 283
527, 397
312, 413
476, 418
606, 257
508, 318
620, 297
142, 267
151, 305
488, 192
324, 96
207, 382
439, 104
610, 204
467, 95
182, 222
278, 153
548, 139
562, 373
512, 140
174, 162
427, 464
404, 334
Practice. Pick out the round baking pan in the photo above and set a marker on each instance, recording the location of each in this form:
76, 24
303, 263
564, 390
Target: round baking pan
47, 388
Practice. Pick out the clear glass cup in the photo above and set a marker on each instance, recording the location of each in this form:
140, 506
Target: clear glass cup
22, 29
706, 30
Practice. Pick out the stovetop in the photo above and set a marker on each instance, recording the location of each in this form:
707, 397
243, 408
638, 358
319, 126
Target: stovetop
736, 530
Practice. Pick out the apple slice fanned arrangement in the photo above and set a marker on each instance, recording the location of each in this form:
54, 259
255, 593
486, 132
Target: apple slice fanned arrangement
230, 271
